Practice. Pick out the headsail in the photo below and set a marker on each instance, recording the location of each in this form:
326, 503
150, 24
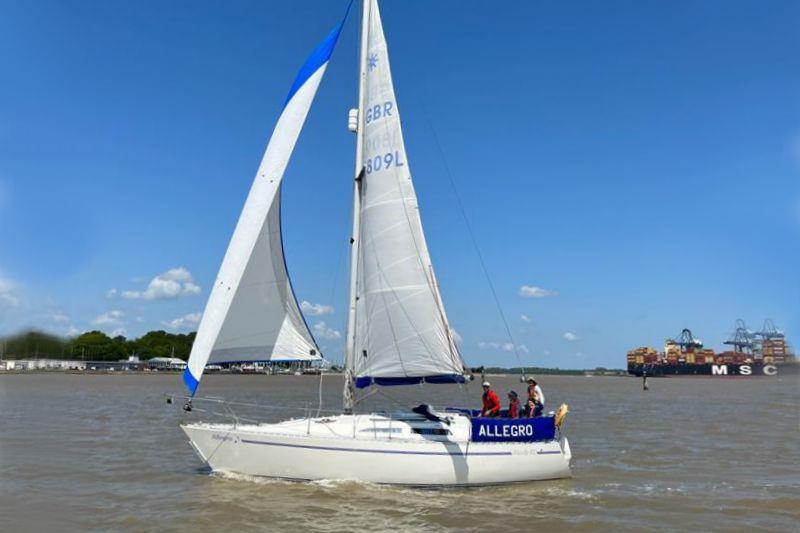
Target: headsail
252, 313
401, 330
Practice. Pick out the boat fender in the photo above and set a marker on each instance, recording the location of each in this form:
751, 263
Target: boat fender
561, 414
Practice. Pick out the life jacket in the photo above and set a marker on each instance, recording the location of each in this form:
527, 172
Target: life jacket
513, 409
491, 403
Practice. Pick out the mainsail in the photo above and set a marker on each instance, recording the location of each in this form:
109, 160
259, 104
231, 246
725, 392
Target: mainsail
252, 314
400, 332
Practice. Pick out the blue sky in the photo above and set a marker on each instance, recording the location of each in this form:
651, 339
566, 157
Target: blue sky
638, 162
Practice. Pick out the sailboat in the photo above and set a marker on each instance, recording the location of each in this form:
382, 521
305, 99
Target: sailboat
397, 332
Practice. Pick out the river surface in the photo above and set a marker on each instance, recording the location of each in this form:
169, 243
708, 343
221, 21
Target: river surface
104, 452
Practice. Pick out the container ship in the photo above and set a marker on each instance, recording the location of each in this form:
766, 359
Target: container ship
753, 353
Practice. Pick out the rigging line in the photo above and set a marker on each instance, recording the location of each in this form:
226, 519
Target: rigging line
386, 307
391, 399
365, 396
411, 228
399, 302
427, 271
407, 192
335, 283
336, 274
471, 233
319, 406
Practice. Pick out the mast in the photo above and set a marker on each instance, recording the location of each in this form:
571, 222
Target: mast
355, 238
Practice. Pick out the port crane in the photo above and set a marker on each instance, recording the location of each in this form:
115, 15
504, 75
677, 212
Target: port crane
742, 340
686, 341
769, 331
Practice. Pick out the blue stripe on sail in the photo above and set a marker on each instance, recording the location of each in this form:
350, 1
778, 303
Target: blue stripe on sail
366, 381
318, 57
190, 381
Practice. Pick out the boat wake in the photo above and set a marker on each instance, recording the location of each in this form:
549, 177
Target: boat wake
262, 480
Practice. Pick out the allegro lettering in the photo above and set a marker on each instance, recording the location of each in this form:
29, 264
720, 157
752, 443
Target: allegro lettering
506, 431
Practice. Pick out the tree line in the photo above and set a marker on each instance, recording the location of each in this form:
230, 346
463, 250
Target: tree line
95, 346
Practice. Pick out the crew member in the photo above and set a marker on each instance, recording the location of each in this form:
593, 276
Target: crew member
533, 408
491, 403
513, 405
535, 392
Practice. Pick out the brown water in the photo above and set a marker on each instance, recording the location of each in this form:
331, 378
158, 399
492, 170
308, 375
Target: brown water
104, 452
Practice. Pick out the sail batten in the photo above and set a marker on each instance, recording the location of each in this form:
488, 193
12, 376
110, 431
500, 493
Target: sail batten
400, 330
252, 313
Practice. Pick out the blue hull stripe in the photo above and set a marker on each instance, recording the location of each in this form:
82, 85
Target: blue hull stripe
190, 381
320, 56
366, 381
358, 450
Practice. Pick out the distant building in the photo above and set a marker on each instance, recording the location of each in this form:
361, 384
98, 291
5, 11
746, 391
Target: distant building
42, 364
123, 365
166, 363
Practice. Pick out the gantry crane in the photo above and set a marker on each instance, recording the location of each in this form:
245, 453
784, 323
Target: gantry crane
742, 340
686, 341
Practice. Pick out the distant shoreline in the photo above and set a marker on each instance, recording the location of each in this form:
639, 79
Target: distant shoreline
493, 373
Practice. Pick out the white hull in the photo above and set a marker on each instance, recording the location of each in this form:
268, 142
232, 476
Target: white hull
377, 449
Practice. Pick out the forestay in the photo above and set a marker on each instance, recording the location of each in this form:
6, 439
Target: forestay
402, 334
252, 314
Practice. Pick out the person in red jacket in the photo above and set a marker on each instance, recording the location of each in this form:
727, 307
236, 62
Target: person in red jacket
491, 403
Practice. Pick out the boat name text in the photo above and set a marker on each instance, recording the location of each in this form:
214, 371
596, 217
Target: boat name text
506, 431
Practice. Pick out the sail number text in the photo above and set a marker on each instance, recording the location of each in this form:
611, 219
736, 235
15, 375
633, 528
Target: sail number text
383, 162
379, 111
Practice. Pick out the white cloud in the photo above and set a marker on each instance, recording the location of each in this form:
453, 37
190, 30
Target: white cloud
531, 291
59, 318
173, 283
505, 346
525, 318
457, 338
117, 332
483, 345
322, 330
9, 294
569, 336
185, 322
111, 293
315, 309
73, 331
111, 318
